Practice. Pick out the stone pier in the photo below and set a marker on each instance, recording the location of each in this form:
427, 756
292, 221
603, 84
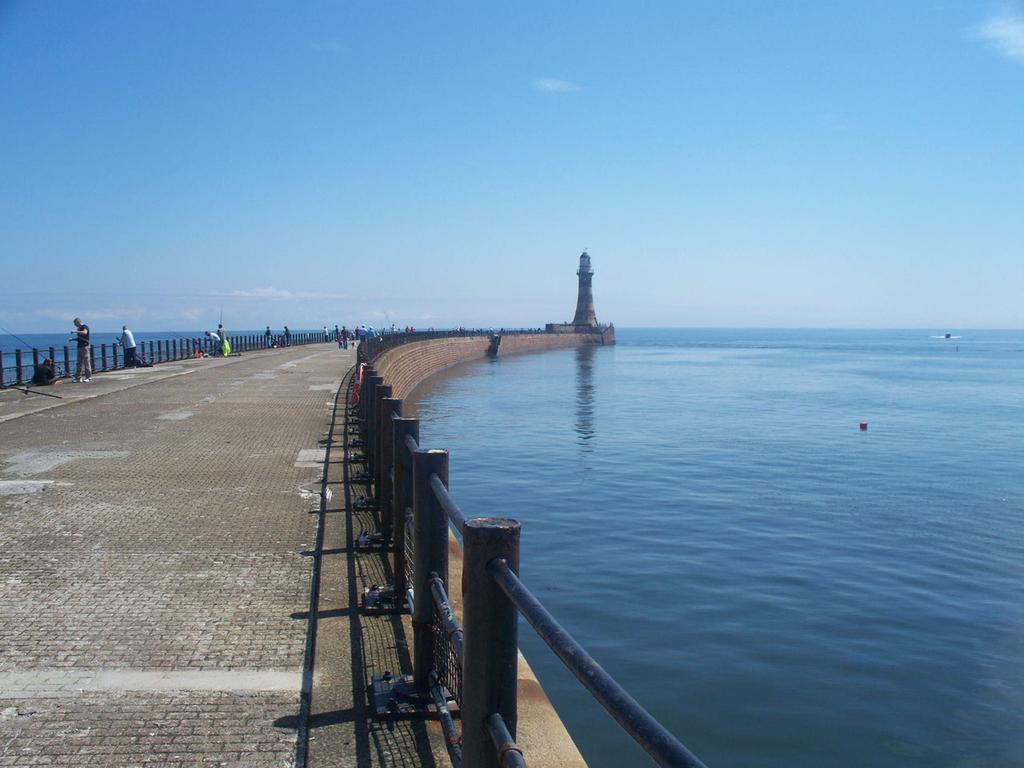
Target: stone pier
177, 581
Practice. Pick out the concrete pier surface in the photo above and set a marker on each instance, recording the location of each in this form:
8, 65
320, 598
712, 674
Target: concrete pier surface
177, 582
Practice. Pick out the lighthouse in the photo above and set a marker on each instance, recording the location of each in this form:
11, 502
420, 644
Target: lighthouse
585, 315
584, 324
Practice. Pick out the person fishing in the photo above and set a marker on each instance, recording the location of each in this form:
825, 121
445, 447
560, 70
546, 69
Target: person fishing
83, 366
215, 341
127, 341
225, 345
44, 374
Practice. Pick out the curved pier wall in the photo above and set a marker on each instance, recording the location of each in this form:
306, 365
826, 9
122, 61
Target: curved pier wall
405, 366
541, 732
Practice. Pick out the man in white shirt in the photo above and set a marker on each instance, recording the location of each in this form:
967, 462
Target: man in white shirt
127, 341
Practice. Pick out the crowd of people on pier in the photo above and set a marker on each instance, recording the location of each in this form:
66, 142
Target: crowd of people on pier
218, 344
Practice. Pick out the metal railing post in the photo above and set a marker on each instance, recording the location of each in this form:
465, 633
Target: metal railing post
370, 384
113, 357
379, 425
67, 362
491, 653
363, 411
431, 548
380, 392
390, 409
35, 361
402, 494
19, 372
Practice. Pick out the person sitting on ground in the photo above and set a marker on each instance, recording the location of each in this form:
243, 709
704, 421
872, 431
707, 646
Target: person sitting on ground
44, 374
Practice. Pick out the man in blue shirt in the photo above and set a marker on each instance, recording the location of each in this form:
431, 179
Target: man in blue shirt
127, 341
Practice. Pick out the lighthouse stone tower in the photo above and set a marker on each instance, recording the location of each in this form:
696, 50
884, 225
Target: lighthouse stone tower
584, 325
585, 299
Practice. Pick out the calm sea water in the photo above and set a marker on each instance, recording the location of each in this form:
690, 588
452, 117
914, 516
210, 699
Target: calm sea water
779, 588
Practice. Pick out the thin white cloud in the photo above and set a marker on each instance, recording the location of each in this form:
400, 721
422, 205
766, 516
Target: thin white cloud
1004, 31
554, 85
275, 293
327, 46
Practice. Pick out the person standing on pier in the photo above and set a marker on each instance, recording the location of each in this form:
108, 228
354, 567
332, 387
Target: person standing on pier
287, 337
268, 337
83, 364
127, 341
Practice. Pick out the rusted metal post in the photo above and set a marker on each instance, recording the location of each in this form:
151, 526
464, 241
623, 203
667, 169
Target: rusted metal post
364, 412
490, 621
383, 390
103, 357
174, 348
92, 358
401, 498
35, 360
67, 362
53, 359
152, 358
370, 384
390, 408
19, 372
431, 548
113, 357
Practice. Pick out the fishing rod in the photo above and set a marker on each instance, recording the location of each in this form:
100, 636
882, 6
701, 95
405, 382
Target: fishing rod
9, 333
28, 391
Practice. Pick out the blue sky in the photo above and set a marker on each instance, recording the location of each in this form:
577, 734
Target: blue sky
725, 164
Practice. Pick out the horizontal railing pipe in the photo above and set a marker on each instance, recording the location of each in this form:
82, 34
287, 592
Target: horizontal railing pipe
508, 752
452, 629
655, 739
451, 509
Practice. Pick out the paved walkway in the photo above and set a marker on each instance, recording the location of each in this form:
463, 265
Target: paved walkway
157, 549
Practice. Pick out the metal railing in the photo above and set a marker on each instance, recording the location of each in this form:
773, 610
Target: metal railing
19, 366
473, 665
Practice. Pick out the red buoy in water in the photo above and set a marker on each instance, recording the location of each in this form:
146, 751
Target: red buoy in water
863, 426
